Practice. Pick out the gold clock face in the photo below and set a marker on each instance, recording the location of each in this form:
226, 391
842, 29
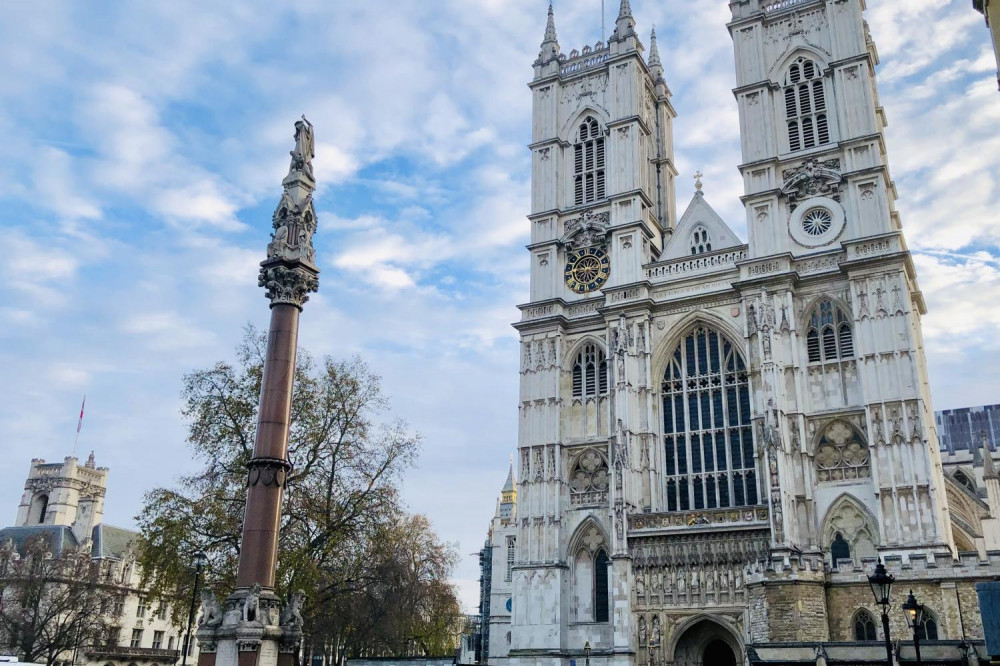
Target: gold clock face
587, 270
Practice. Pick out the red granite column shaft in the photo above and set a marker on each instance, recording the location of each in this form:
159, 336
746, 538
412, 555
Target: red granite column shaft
259, 551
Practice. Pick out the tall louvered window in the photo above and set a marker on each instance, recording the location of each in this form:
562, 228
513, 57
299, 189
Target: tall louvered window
830, 336
710, 460
589, 163
805, 106
590, 373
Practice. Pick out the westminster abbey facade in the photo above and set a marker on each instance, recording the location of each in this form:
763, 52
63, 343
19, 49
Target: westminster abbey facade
718, 437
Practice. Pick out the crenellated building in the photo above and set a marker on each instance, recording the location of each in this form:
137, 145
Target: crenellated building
63, 503
718, 437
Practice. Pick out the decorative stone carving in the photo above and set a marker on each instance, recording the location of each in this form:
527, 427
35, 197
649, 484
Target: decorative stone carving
304, 150
251, 605
841, 454
268, 472
812, 179
588, 230
291, 616
589, 479
211, 612
289, 273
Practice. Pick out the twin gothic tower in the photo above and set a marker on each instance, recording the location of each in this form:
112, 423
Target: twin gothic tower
715, 434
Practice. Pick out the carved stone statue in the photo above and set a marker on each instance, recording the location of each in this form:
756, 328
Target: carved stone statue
251, 604
292, 615
211, 612
305, 148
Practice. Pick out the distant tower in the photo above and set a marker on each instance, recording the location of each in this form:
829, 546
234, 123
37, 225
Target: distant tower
498, 560
64, 494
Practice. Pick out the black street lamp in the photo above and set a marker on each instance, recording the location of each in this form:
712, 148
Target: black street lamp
881, 583
586, 652
198, 559
915, 619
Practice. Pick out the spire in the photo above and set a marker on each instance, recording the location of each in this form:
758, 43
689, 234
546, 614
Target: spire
989, 469
654, 52
510, 485
625, 11
550, 43
625, 25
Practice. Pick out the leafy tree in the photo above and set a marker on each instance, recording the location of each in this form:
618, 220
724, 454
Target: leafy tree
400, 602
52, 605
348, 455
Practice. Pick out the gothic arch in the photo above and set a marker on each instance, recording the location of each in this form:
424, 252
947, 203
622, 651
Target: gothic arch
581, 535
851, 519
665, 348
718, 627
778, 69
569, 358
568, 131
809, 306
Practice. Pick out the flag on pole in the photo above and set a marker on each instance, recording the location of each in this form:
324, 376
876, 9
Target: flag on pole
80, 422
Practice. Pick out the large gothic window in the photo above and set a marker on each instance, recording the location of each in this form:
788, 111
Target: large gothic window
805, 106
590, 373
830, 336
708, 439
588, 163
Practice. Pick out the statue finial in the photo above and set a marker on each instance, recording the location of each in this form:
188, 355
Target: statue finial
697, 181
305, 149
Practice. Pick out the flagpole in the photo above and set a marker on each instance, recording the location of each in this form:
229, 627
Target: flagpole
603, 14
79, 424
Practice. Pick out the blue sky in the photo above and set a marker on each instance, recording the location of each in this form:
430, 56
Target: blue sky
142, 147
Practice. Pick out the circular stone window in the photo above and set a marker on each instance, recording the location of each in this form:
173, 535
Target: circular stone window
818, 221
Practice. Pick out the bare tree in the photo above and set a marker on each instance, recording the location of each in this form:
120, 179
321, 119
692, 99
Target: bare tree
53, 605
341, 512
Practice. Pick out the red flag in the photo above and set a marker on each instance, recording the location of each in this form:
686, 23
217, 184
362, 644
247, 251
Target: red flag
80, 424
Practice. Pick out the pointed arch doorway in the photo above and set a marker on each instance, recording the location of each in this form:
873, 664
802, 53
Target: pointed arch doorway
707, 643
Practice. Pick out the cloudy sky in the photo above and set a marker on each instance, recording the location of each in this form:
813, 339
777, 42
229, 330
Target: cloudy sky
142, 147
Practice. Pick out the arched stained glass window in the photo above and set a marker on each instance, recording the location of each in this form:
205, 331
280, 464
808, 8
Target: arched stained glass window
710, 460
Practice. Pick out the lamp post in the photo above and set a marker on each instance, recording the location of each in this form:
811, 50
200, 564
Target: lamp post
586, 653
915, 619
881, 584
198, 559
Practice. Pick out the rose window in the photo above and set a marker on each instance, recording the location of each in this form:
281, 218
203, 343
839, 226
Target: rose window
817, 221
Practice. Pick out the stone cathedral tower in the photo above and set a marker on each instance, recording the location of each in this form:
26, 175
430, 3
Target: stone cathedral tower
718, 438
